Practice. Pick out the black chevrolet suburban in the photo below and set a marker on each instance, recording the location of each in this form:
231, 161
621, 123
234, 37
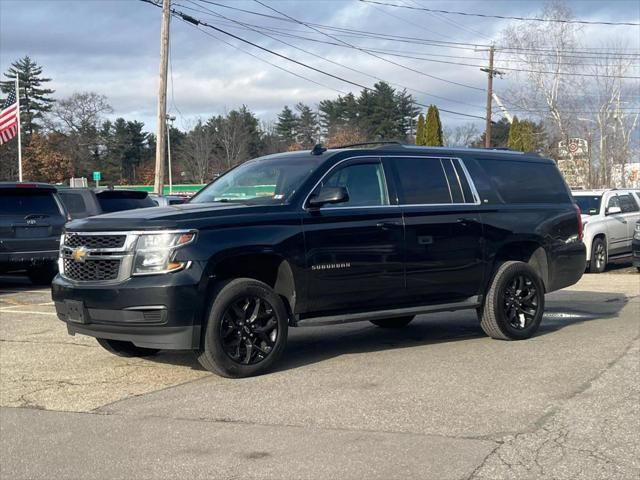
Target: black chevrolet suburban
323, 237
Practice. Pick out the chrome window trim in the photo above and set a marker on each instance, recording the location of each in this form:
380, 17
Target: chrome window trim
472, 186
446, 177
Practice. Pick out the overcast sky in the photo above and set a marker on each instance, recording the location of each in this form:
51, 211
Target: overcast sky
112, 47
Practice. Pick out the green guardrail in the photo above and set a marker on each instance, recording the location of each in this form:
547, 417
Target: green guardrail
177, 189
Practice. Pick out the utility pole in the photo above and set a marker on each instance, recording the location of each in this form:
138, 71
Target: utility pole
490, 75
161, 142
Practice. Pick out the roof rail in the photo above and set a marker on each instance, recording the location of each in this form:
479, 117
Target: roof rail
362, 144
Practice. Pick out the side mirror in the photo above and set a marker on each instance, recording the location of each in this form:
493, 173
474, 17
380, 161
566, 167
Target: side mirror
329, 195
613, 210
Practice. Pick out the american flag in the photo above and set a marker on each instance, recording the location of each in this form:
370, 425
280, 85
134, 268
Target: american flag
9, 118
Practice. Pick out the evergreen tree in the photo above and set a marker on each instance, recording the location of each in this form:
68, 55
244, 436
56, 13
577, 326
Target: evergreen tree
34, 100
407, 111
286, 125
433, 128
524, 135
307, 126
514, 141
420, 130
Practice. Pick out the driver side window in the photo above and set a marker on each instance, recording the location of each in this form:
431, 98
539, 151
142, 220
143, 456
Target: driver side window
613, 202
365, 184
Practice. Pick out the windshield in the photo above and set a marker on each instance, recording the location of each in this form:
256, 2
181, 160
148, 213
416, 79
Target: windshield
589, 204
262, 181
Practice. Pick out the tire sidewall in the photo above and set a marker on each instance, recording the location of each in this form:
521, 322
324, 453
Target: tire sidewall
501, 281
593, 265
226, 295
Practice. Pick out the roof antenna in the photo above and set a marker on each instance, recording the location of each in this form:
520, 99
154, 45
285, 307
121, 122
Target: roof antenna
318, 149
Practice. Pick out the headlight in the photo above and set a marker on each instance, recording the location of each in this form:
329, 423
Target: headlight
155, 252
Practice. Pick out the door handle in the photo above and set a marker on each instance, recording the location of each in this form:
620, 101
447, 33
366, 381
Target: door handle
387, 225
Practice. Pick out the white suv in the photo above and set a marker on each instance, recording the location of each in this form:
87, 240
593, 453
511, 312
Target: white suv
609, 218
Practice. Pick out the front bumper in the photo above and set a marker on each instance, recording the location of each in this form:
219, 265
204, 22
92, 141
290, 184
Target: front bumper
26, 259
156, 311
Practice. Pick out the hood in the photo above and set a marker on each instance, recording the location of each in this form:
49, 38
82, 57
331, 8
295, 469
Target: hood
156, 218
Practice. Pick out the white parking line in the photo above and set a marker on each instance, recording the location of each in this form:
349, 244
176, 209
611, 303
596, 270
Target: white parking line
26, 311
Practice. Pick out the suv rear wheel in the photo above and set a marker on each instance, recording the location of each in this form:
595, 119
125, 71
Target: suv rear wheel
125, 349
514, 303
246, 329
397, 322
598, 261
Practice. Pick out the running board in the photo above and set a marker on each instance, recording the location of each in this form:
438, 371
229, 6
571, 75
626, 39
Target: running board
471, 302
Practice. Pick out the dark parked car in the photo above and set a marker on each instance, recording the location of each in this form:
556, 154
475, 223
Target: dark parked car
31, 221
325, 237
86, 202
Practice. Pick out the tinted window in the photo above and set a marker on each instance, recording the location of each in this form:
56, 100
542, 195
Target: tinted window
628, 204
589, 204
116, 204
452, 179
21, 203
73, 202
422, 181
519, 181
365, 184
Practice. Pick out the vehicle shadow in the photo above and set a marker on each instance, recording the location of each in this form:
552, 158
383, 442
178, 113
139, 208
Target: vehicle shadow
310, 345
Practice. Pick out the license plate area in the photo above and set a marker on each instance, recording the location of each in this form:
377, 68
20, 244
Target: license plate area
75, 311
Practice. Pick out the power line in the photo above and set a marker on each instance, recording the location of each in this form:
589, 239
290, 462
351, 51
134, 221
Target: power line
423, 41
196, 22
503, 17
340, 64
369, 53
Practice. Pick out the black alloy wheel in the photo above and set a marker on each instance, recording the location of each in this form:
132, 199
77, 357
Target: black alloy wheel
521, 301
249, 330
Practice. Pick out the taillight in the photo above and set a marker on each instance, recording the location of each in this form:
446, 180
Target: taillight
580, 226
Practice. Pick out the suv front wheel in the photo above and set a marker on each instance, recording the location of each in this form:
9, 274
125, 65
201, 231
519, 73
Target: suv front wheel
246, 330
514, 303
598, 261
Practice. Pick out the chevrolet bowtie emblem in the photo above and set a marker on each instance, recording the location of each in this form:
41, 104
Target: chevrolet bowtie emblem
79, 254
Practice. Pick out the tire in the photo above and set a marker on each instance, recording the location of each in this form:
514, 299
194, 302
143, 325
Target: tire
514, 303
125, 349
638, 268
397, 322
598, 261
42, 275
246, 329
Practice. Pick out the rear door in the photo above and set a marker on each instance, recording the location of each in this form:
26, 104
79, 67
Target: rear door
443, 231
354, 249
631, 214
31, 220
617, 231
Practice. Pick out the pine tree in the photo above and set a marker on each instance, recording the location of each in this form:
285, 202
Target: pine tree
34, 100
420, 130
286, 125
514, 142
433, 128
307, 126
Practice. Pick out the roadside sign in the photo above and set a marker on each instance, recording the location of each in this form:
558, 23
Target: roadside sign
97, 176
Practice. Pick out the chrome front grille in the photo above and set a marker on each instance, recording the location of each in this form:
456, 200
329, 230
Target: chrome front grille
91, 270
95, 241
97, 257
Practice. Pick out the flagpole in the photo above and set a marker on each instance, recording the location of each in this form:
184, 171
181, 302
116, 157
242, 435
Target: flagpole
19, 131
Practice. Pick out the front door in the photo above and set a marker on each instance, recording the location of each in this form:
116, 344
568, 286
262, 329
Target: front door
617, 230
354, 249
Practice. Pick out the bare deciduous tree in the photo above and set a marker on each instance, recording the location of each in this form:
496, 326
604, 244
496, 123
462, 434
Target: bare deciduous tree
461, 136
198, 152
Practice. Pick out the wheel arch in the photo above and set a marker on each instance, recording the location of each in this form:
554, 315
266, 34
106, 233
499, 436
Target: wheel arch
265, 266
528, 251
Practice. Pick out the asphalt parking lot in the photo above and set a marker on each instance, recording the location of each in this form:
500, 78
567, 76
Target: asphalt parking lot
436, 400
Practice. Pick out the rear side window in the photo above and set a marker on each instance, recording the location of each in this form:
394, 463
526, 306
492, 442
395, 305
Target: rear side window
526, 182
74, 203
22, 203
422, 181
